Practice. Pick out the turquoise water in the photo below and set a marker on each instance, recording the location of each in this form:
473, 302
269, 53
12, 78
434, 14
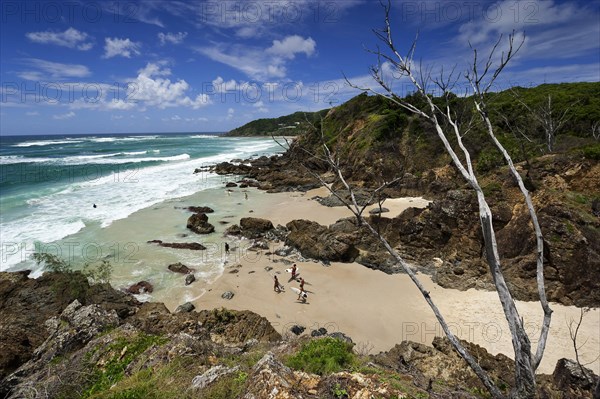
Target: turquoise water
49, 184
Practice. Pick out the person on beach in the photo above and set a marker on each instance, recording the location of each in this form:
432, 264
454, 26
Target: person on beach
294, 271
277, 286
301, 283
302, 296
227, 248
246, 195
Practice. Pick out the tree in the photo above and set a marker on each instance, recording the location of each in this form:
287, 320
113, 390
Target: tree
451, 131
548, 117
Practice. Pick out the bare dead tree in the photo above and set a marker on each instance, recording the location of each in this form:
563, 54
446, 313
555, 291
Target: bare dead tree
481, 79
550, 119
574, 327
596, 130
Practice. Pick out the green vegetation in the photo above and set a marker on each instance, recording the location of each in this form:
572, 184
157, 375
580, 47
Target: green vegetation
98, 274
323, 356
288, 125
123, 352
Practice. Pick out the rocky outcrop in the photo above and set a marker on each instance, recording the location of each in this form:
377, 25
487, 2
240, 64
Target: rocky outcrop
319, 242
25, 305
198, 223
194, 246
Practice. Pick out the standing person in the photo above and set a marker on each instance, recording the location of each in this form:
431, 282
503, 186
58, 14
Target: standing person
302, 296
227, 248
277, 286
294, 271
246, 195
301, 283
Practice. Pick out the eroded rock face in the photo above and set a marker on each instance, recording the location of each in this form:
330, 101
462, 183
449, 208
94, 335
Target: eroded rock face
319, 242
25, 305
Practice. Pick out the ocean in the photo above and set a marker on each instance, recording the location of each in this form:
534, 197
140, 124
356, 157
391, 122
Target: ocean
50, 184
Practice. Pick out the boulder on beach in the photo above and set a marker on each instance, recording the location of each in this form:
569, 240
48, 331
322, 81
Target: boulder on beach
180, 268
189, 279
185, 308
194, 246
198, 223
319, 242
140, 287
231, 184
200, 209
227, 295
255, 227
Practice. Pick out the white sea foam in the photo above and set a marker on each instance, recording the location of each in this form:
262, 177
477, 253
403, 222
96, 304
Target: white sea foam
46, 142
118, 195
91, 159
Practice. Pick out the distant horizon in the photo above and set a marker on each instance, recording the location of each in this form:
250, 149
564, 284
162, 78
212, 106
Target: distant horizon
109, 134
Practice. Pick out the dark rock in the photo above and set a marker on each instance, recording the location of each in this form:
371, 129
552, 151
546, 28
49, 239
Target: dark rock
596, 207
377, 211
189, 279
341, 336
569, 377
180, 268
255, 227
318, 242
140, 288
185, 308
318, 333
233, 230
243, 185
200, 209
297, 330
194, 246
259, 245
198, 223
231, 184
227, 295
284, 251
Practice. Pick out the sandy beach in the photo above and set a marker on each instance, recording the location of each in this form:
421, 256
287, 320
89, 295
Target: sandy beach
375, 309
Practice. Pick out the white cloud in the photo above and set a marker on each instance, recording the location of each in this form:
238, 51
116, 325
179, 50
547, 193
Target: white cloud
173, 38
71, 38
291, 45
123, 47
68, 115
52, 70
32, 113
151, 88
222, 86
230, 113
260, 63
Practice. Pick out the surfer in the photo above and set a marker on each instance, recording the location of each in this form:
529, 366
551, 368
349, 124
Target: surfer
277, 286
302, 295
301, 284
227, 248
94, 206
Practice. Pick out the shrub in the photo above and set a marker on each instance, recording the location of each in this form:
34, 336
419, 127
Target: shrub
323, 356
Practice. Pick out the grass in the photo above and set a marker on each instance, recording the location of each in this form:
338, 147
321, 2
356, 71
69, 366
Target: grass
123, 352
323, 356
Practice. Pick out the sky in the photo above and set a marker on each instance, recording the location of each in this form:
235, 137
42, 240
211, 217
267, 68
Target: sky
149, 66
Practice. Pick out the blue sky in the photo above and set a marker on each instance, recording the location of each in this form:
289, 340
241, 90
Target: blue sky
206, 66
